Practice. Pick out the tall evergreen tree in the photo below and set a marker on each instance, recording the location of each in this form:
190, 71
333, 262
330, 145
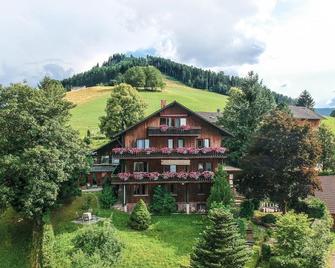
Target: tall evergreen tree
327, 142
220, 245
305, 99
244, 113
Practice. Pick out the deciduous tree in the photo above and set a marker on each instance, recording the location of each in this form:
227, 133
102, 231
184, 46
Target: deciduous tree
327, 142
135, 76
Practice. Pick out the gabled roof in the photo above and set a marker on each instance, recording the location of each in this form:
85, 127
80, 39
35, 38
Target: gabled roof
210, 116
223, 131
327, 194
300, 112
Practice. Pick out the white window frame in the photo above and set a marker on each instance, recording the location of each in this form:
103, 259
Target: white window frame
173, 168
142, 143
183, 121
206, 143
170, 143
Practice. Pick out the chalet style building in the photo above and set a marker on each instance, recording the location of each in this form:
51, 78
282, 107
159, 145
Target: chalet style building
174, 147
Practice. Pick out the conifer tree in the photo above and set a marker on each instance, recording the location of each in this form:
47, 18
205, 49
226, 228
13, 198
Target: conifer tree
221, 244
140, 218
305, 99
220, 191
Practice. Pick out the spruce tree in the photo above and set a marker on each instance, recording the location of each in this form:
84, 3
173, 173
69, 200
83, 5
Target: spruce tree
221, 244
305, 99
220, 191
140, 218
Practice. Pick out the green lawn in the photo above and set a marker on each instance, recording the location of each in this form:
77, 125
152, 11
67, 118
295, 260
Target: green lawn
91, 102
330, 123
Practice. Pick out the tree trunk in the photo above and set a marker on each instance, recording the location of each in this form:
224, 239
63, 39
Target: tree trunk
35, 258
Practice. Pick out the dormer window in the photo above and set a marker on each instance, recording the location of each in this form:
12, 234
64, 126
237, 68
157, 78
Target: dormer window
173, 122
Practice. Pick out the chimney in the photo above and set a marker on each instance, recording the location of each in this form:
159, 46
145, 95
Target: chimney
163, 103
218, 110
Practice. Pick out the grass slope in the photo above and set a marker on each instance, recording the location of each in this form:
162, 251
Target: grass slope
91, 102
330, 123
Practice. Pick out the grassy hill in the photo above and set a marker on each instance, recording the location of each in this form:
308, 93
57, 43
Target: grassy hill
330, 123
91, 102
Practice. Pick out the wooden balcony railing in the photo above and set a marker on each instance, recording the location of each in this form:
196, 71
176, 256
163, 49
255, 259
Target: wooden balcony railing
173, 131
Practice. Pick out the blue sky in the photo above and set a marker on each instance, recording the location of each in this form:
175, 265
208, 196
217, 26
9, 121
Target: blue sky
288, 42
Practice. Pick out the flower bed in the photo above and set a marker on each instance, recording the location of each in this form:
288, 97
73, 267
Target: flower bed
195, 175
166, 150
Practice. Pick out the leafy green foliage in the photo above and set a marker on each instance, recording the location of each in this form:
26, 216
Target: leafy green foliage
124, 108
280, 164
48, 241
269, 219
220, 190
220, 244
313, 207
162, 202
135, 77
99, 242
153, 78
327, 142
140, 218
247, 209
305, 99
332, 114
108, 197
244, 113
285, 262
40, 153
266, 251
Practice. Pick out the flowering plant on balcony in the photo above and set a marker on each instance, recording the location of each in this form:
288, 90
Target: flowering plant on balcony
220, 150
119, 150
193, 150
185, 127
166, 150
163, 128
150, 150
168, 175
207, 174
134, 150
206, 150
182, 150
182, 175
152, 175
124, 176
194, 175
139, 175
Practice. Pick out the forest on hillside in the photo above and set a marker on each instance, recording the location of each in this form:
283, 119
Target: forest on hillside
111, 73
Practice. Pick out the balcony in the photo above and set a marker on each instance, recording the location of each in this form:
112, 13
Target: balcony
168, 153
174, 131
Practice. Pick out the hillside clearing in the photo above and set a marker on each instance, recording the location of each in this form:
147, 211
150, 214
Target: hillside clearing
91, 102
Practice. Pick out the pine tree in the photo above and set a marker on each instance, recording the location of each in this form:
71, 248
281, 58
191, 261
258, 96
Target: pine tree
305, 99
220, 191
140, 218
220, 244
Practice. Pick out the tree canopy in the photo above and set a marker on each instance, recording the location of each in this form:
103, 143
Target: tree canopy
327, 142
147, 77
244, 113
124, 108
281, 161
39, 152
305, 99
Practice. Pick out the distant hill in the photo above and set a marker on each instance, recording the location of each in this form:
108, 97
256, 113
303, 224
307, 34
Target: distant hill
324, 111
91, 102
111, 72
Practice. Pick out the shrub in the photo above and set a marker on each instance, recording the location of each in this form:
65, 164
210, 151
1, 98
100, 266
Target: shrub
284, 262
266, 252
247, 209
269, 219
140, 218
162, 201
98, 240
107, 198
313, 207
47, 247
87, 203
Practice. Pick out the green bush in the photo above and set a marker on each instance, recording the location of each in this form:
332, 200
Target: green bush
266, 252
285, 262
47, 247
269, 219
96, 241
107, 198
313, 207
140, 218
247, 209
162, 201
87, 204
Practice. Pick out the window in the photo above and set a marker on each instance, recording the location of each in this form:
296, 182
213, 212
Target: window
140, 189
143, 143
173, 168
208, 166
170, 143
206, 143
200, 166
177, 122
140, 167
170, 122
182, 121
171, 188
200, 143
105, 159
163, 121
180, 143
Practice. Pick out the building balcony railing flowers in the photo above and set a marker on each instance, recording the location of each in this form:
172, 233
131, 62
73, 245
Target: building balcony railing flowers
154, 176
167, 130
128, 152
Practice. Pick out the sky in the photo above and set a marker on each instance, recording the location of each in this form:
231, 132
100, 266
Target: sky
289, 43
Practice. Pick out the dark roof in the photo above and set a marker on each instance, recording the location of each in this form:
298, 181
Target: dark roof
299, 112
210, 116
225, 132
327, 194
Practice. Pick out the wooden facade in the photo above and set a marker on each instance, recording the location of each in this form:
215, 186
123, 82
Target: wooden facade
140, 161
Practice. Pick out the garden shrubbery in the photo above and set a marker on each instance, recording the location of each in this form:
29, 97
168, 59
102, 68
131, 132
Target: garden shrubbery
107, 198
140, 218
162, 201
268, 219
247, 209
285, 262
313, 207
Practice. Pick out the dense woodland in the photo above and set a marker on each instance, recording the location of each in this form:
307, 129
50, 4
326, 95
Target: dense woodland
111, 72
